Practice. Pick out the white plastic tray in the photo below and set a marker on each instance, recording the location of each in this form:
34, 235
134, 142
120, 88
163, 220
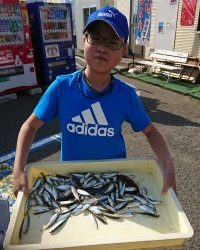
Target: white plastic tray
172, 228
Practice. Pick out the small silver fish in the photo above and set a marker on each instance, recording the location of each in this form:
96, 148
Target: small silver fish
52, 220
25, 225
94, 210
36, 185
91, 200
135, 203
57, 225
110, 188
75, 193
83, 192
94, 220
39, 200
40, 208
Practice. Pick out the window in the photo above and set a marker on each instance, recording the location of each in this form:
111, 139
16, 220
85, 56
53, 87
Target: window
86, 13
198, 24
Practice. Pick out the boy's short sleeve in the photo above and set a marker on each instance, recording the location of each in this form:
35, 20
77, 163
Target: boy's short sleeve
136, 114
47, 108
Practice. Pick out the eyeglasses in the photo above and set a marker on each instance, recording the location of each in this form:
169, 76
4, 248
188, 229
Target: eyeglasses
111, 43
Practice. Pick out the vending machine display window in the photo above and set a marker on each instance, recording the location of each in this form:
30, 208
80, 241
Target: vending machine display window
11, 28
55, 26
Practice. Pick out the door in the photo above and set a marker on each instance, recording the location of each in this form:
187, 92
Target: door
165, 25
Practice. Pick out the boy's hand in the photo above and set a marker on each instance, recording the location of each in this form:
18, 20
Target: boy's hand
20, 183
169, 180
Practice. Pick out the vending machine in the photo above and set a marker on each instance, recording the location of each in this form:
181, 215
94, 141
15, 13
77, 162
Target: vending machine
52, 36
17, 68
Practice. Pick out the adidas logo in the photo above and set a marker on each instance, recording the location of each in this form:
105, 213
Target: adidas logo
91, 122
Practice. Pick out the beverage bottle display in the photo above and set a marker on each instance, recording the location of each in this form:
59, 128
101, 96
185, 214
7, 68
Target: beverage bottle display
10, 24
54, 24
17, 66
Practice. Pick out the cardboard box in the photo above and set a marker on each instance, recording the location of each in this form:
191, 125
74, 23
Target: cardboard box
171, 228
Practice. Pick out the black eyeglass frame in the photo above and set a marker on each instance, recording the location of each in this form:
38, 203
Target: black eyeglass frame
104, 40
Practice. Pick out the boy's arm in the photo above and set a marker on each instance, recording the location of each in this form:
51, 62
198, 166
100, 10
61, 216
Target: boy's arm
158, 145
24, 142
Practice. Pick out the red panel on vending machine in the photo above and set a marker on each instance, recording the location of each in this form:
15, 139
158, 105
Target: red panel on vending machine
17, 68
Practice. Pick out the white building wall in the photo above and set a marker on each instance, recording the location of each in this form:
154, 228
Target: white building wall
79, 5
106, 2
187, 39
124, 7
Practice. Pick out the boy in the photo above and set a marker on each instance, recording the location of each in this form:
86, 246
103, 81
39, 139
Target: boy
92, 104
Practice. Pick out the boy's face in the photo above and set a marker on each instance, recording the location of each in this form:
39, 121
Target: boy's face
101, 58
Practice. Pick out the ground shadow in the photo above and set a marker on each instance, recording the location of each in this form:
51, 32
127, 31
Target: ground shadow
13, 115
160, 116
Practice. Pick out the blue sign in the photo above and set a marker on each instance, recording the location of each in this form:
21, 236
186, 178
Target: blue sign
143, 22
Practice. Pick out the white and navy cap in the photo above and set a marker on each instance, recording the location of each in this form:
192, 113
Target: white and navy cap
113, 17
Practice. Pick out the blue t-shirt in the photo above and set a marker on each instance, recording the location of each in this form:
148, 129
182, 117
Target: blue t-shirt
90, 121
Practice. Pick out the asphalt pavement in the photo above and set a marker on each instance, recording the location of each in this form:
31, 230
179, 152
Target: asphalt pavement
176, 116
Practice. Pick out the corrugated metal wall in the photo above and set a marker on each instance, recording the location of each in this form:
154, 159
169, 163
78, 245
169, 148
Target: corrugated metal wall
187, 39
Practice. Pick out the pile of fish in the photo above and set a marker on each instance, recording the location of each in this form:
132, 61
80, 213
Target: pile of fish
104, 195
